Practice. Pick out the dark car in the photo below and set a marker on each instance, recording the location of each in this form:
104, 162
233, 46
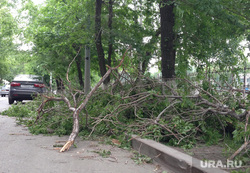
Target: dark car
25, 87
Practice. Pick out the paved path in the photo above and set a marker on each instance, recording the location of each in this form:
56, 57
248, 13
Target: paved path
22, 152
4, 104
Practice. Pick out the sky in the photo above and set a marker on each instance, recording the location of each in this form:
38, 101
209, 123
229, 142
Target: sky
37, 2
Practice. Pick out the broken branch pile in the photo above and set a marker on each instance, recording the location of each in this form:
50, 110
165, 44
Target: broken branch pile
181, 112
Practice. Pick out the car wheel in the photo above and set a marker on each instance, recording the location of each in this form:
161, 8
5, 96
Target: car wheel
11, 101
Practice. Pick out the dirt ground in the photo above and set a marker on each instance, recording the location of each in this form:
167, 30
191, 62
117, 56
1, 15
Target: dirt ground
205, 152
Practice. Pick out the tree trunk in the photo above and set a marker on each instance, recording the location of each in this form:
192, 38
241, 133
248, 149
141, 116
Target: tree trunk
110, 51
79, 70
78, 61
77, 110
59, 84
98, 35
167, 39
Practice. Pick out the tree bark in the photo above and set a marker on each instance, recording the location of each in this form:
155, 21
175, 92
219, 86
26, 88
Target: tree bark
59, 85
79, 70
98, 36
167, 39
78, 60
110, 44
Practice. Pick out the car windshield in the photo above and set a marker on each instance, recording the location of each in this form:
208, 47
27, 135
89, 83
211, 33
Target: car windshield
28, 78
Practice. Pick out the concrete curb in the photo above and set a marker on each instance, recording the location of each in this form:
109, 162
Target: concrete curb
170, 158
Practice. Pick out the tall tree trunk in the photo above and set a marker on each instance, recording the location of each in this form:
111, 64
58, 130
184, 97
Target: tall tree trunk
167, 39
78, 61
79, 70
98, 35
110, 51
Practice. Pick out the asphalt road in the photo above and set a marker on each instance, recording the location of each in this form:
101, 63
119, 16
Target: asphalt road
4, 103
22, 152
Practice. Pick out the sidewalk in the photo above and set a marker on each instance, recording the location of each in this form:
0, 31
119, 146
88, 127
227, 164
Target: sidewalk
22, 152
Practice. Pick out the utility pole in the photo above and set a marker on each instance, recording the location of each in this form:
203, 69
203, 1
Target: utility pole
87, 70
87, 63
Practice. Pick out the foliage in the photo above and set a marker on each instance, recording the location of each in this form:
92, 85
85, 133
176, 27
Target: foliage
244, 171
141, 159
208, 35
208, 32
54, 122
140, 110
7, 29
239, 134
21, 111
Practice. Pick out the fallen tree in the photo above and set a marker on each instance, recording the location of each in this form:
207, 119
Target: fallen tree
203, 110
76, 109
176, 116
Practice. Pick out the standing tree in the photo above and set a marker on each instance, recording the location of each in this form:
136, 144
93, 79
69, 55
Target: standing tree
195, 32
167, 39
98, 41
110, 42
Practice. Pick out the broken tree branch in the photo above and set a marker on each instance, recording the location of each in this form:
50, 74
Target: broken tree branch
67, 74
238, 151
246, 140
75, 129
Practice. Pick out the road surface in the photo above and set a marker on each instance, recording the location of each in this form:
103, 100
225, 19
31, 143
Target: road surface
22, 152
4, 104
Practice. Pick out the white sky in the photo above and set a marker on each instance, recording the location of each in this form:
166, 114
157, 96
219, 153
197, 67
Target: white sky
37, 2
246, 52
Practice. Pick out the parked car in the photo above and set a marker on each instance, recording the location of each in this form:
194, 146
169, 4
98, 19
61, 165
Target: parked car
25, 87
4, 90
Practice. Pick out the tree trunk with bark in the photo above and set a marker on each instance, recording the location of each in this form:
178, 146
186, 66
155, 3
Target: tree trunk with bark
110, 44
59, 85
167, 39
98, 36
79, 70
